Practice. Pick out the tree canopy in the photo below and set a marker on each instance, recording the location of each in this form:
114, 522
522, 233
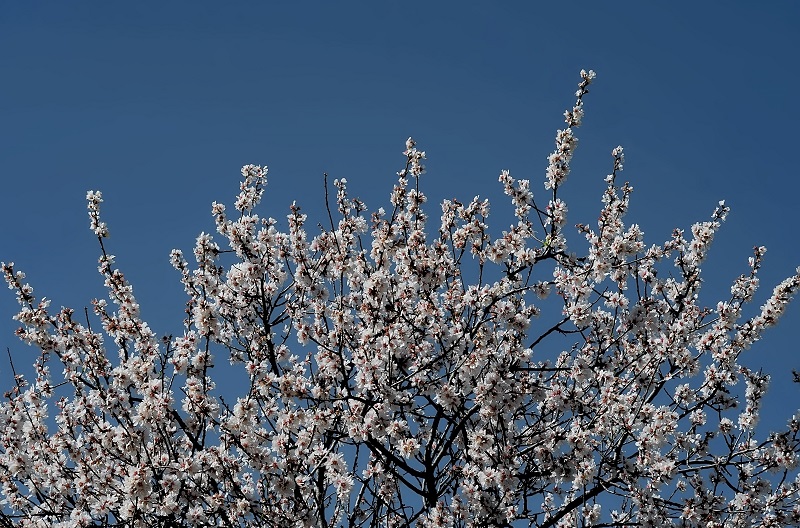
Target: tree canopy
405, 372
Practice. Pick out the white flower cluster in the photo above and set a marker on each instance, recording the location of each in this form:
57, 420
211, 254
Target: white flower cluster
397, 375
93, 200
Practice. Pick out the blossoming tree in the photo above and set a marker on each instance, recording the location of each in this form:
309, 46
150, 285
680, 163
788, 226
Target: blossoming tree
398, 376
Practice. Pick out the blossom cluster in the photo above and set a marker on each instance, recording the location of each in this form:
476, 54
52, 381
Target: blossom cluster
398, 374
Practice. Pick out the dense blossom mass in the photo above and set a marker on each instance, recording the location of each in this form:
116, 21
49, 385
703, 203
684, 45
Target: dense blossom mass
398, 375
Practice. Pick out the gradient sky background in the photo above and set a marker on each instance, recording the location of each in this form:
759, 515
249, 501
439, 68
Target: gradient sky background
158, 104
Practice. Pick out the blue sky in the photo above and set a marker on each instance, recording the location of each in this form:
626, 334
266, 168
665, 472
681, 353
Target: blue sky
158, 104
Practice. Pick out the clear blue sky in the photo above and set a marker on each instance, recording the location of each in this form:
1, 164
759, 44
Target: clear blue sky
158, 104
